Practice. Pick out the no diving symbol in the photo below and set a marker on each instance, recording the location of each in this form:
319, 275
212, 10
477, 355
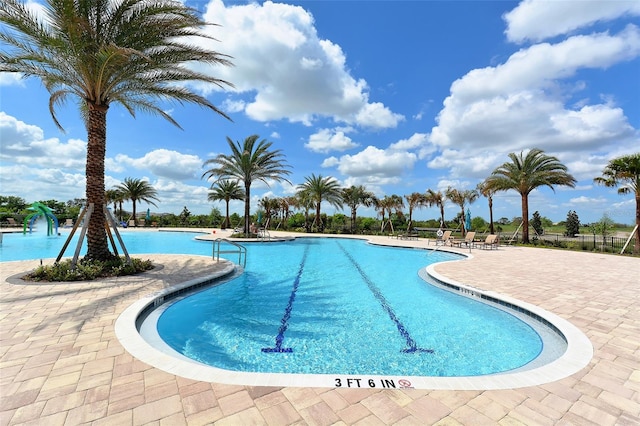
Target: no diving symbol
404, 383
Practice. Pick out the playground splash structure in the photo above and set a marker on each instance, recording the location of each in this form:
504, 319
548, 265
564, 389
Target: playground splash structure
40, 210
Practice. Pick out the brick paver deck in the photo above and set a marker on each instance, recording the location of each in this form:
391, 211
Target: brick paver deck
61, 364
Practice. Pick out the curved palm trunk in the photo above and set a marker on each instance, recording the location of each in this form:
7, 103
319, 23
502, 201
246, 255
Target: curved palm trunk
97, 247
525, 218
442, 214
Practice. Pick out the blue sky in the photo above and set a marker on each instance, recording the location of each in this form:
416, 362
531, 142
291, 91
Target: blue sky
399, 96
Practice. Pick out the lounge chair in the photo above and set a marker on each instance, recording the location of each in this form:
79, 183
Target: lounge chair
68, 223
490, 242
467, 240
132, 223
446, 239
12, 222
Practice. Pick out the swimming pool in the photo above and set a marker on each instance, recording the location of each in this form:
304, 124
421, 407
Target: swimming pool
340, 306
549, 366
19, 246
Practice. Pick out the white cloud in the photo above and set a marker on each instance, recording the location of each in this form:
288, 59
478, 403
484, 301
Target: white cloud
289, 72
561, 17
163, 163
11, 79
24, 143
326, 140
377, 163
520, 104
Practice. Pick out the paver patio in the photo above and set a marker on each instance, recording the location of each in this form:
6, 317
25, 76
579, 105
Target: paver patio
61, 363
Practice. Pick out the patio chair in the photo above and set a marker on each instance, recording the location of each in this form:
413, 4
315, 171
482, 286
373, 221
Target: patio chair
467, 240
68, 223
490, 242
446, 238
12, 222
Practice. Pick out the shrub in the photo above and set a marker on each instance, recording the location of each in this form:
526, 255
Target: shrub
87, 270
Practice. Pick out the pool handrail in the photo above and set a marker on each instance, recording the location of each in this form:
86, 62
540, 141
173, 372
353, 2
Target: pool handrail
240, 249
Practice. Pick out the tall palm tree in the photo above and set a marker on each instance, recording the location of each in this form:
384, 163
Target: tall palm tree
625, 171
354, 197
322, 189
415, 200
527, 172
138, 190
487, 192
461, 198
103, 52
436, 199
226, 190
248, 162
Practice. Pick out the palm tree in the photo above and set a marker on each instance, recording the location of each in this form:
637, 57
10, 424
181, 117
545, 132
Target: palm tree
487, 192
138, 190
271, 207
415, 200
304, 201
102, 52
460, 198
390, 203
322, 189
226, 190
526, 173
625, 171
247, 163
113, 196
436, 199
354, 197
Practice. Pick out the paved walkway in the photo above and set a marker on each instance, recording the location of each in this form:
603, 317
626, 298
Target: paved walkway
60, 362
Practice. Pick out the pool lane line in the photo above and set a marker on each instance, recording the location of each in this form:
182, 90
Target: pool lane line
412, 347
284, 322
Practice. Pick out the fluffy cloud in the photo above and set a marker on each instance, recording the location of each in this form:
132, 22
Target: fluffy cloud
561, 17
24, 143
163, 163
326, 140
291, 73
521, 104
376, 163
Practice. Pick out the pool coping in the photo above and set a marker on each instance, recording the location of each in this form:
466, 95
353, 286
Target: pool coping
578, 354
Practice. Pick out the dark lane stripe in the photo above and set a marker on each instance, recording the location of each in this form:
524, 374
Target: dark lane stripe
284, 322
411, 344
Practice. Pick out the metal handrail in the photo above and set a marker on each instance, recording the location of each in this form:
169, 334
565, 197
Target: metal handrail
263, 234
240, 249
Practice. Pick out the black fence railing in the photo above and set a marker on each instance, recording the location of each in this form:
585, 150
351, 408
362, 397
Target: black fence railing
587, 242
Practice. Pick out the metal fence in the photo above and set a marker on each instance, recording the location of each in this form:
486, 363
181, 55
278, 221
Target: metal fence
587, 242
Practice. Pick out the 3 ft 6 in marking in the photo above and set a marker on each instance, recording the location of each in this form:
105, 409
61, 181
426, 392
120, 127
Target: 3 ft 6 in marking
354, 382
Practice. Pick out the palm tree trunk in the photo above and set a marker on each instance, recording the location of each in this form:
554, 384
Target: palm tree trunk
226, 219
135, 222
491, 230
525, 218
636, 249
247, 207
318, 218
97, 247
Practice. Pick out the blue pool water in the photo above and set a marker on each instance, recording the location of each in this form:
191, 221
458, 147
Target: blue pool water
18, 246
340, 306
